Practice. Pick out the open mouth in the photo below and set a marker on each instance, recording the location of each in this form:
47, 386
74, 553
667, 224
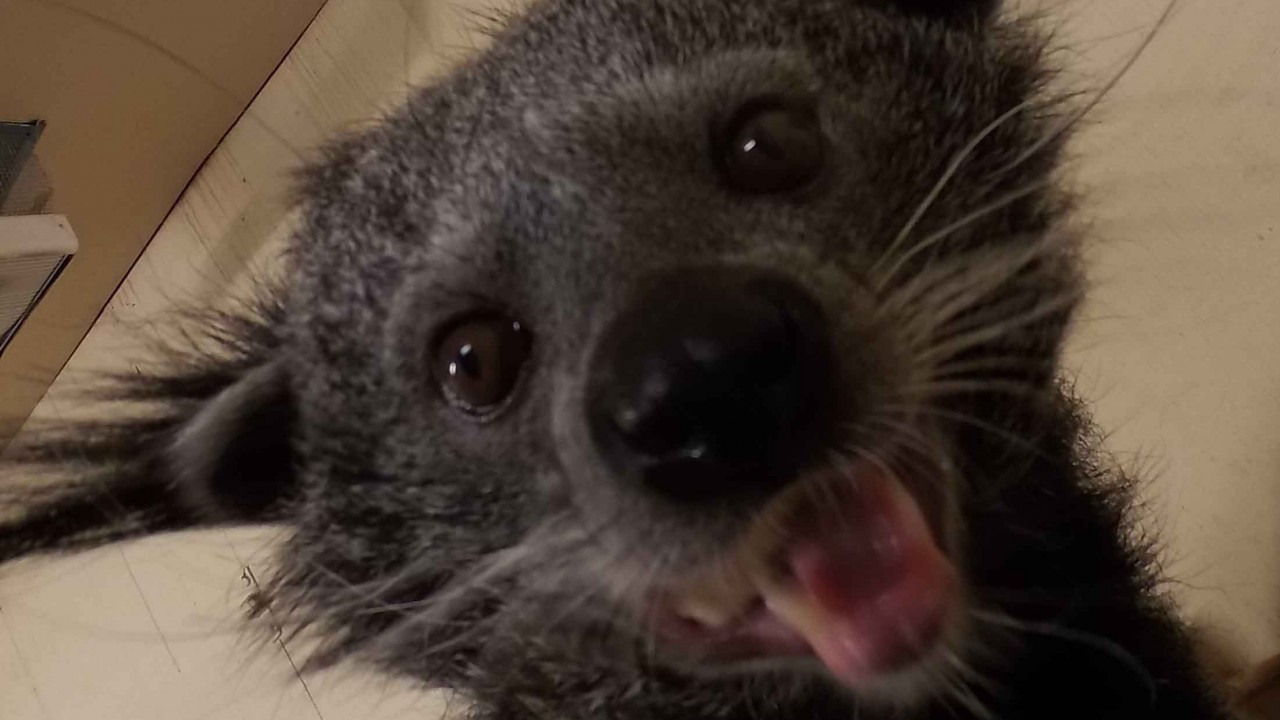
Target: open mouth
849, 573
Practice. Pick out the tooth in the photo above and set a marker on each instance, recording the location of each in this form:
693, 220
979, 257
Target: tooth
795, 608
708, 614
718, 599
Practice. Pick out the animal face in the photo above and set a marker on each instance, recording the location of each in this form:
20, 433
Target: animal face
658, 335
647, 329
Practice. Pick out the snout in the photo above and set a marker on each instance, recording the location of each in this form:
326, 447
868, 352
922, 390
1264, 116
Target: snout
712, 384
723, 388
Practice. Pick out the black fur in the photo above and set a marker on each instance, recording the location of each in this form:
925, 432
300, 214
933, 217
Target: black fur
117, 481
551, 179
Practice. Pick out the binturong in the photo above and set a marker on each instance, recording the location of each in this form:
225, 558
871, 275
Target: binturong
673, 360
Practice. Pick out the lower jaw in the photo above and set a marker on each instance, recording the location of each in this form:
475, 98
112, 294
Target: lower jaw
803, 679
859, 584
761, 645
756, 637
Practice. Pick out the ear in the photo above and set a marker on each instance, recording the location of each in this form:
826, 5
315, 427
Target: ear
964, 11
232, 460
214, 447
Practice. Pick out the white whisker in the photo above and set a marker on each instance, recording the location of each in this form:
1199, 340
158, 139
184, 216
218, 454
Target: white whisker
886, 278
1071, 121
970, 339
952, 168
949, 388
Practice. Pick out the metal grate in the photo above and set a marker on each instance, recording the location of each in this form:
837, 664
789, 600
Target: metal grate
16, 142
28, 265
23, 281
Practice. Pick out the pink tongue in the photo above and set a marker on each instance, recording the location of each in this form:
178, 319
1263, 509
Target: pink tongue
873, 588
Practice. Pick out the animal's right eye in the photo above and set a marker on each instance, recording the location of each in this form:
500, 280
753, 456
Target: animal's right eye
477, 361
771, 146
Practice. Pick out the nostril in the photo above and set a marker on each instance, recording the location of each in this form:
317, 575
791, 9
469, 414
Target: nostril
656, 433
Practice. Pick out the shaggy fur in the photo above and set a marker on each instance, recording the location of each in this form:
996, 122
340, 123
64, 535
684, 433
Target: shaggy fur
551, 178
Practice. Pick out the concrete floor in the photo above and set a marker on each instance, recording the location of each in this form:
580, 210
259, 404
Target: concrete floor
1182, 172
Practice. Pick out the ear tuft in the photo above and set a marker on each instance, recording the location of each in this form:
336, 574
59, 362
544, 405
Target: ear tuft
206, 441
232, 459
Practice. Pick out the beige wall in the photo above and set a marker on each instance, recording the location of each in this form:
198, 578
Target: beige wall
136, 96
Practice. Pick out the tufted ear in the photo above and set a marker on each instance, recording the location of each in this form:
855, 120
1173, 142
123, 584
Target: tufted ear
211, 446
965, 11
231, 460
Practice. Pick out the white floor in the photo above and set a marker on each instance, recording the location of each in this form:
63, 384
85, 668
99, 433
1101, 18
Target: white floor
1182, 166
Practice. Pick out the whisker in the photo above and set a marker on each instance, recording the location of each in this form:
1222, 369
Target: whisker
1047, 140
1072, 120
949, 294
965, 221
971, 368
951, 388
979, 311
969, 339
952, 168
1101, 644
970, 420
925, 459
971, 674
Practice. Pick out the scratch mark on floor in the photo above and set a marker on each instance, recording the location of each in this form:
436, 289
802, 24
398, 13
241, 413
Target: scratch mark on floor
26, 667
261, 604
150, 613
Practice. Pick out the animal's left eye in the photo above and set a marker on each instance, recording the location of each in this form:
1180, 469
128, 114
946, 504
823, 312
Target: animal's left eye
478, 360
771, 147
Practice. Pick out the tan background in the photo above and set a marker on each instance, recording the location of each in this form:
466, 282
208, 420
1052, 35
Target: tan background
1182, 166
129, 124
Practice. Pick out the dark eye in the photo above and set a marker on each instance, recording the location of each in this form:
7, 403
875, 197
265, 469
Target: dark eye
478, 360
771, 147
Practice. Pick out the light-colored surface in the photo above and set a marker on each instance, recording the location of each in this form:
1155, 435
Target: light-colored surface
1180, 347
1182, 166
36, 234
129, 123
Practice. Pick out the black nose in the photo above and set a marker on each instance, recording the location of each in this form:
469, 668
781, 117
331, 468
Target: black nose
712, 385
